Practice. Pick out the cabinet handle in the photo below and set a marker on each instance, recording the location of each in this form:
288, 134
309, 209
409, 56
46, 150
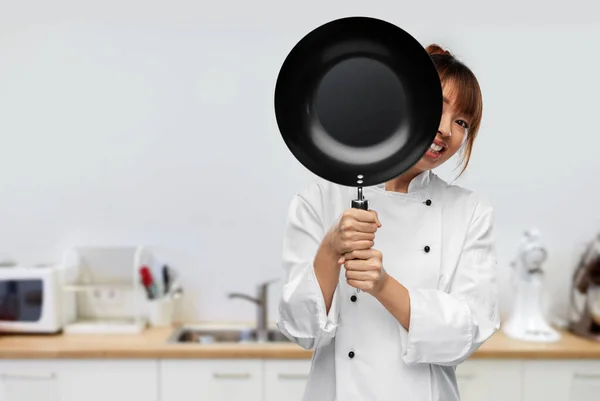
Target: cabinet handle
231, 375
291, 376
26, 376
587, 375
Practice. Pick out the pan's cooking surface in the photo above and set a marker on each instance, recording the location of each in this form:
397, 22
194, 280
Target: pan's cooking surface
358, 96
360, 102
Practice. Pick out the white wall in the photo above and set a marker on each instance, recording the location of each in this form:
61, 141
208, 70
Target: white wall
132, 122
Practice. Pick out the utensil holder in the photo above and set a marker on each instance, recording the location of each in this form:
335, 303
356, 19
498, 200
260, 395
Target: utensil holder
160, 311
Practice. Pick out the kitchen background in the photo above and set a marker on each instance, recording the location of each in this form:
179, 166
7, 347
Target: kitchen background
127, 122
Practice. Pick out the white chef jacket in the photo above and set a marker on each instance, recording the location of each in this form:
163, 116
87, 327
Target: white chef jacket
437, 240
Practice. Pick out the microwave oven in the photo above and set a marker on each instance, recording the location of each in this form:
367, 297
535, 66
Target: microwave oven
30, 299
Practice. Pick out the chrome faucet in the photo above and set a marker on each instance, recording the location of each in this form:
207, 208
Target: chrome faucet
261, 301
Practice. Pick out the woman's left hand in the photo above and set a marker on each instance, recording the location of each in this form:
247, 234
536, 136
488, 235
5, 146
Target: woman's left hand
364, 270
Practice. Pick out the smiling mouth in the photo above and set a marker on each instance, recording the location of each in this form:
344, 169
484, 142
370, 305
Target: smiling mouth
436, 149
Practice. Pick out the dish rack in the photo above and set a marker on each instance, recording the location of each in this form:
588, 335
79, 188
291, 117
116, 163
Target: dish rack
102, 292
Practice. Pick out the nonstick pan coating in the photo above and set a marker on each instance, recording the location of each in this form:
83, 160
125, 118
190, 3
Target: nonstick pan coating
358, 101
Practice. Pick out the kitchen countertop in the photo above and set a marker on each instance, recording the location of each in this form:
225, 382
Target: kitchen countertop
152, 344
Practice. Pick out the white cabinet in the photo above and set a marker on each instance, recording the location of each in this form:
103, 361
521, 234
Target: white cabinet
29, 381
490, 380
562, 380
114, 380
271, 380
76, 380
285, 379
211, 380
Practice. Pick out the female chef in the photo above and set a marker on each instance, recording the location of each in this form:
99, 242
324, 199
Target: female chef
392, 299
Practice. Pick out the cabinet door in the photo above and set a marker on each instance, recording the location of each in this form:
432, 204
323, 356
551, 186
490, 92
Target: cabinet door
29, 381
76, 380
490, 380
113, 380
286, 379
562, 380
211, 380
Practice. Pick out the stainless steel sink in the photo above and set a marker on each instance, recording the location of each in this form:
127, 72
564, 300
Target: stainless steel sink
208, 336
258, 334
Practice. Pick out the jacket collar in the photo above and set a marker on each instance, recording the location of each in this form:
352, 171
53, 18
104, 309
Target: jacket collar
418, 183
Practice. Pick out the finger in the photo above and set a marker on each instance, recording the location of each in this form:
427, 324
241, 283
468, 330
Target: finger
360, 275
359, 245
360, 254
350, 246
357, 264
364, 265
365, 216
361, 285
363, 227
376, 216
352, 225
352, 235
364, 254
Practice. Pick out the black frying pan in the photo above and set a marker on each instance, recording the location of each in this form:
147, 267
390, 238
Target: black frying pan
358, 102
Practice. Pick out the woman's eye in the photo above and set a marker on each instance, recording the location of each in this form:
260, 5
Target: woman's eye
463, 124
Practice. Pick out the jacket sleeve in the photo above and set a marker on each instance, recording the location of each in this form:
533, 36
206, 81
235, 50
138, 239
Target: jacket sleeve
302, 313
447, 327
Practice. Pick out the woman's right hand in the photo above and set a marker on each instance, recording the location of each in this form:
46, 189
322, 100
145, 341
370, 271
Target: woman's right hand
354, 230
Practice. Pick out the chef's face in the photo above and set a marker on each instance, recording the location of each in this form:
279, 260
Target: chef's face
451, 133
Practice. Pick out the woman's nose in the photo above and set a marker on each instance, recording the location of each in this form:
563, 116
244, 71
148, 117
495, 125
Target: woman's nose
444, 128
444, 132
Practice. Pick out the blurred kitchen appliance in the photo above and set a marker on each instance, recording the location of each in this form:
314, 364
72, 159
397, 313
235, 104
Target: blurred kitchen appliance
584, 319
31, 299
108, 294
527, 321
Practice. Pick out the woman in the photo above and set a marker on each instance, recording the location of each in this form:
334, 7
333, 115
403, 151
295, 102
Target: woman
392, 299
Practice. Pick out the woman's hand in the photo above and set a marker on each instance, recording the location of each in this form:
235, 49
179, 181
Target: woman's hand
364, 270
355, 230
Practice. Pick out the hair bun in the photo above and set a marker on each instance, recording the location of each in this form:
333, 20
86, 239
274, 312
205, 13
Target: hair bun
435, 49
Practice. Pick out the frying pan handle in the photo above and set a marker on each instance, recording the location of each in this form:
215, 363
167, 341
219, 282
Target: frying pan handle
360, 202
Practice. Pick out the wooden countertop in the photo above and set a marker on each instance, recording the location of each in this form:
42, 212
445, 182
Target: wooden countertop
152, 344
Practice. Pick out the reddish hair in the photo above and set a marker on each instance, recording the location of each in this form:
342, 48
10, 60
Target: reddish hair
468, 97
